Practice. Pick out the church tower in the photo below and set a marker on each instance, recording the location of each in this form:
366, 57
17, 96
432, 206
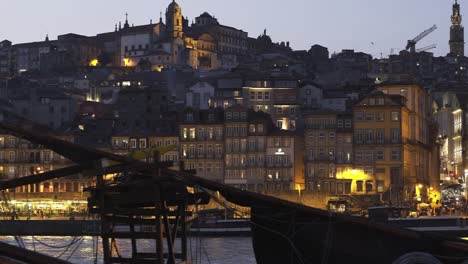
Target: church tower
457, 33
174, 20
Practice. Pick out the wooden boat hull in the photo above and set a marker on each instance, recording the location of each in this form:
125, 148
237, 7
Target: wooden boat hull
289, 236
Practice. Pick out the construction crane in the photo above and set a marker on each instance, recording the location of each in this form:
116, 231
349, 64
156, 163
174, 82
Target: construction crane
433, 46
411, 45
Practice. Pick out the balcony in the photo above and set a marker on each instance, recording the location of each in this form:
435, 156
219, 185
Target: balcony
279, 179
279, 165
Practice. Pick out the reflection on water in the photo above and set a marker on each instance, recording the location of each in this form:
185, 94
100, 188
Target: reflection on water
216, 250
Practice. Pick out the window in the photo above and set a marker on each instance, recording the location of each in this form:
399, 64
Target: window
347, 139
380, 116
358, 155
339, 188
380, 135
260, 128
192, 133
331, 135
260, 96
369, 155
395, 154
200, 150
277, 142
340, 123
359, 136
142, 143
331, 153
380, 101
395, 116
358, 116
266, 96
322, 152
371, 101
380, 170
348, 123
133, 143
380, 186
369, 186
369, 135
359, 186
331, 171
252, 128
380, 154
279, 124
395, 135
347, 187
321, 136
46, 156
369, 116
252, 95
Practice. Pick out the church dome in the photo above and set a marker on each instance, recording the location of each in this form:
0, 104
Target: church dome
173, 5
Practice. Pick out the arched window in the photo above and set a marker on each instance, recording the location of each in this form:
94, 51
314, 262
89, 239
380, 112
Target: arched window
68, 187
56, 186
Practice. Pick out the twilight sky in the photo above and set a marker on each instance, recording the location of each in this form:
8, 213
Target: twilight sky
336, 24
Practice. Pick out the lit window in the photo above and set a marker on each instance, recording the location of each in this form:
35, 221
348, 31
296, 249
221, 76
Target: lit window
395, 116
133, 143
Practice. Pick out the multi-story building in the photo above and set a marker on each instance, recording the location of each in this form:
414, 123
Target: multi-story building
328, 154
199, 95
260, 157
241, 148
394, 142
284, 161
45, 106
145, 145
278, 97
380, 124
449, 117
20, 158
201, 136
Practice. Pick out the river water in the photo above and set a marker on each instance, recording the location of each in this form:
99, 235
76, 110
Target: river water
211, 250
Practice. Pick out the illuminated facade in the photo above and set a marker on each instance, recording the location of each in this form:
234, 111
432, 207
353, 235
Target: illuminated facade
381, 128
19, 158
203, 45
241, 148
328, 154
449, 116
395, 129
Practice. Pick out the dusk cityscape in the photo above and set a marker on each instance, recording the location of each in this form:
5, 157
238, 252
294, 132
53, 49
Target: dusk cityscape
234, 132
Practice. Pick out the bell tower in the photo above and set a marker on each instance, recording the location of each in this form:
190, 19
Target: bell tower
457, 32
174, 20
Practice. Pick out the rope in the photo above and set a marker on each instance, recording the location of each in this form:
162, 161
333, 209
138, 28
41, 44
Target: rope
206, 253
76, 248
67, 248
54, 246
296, 251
